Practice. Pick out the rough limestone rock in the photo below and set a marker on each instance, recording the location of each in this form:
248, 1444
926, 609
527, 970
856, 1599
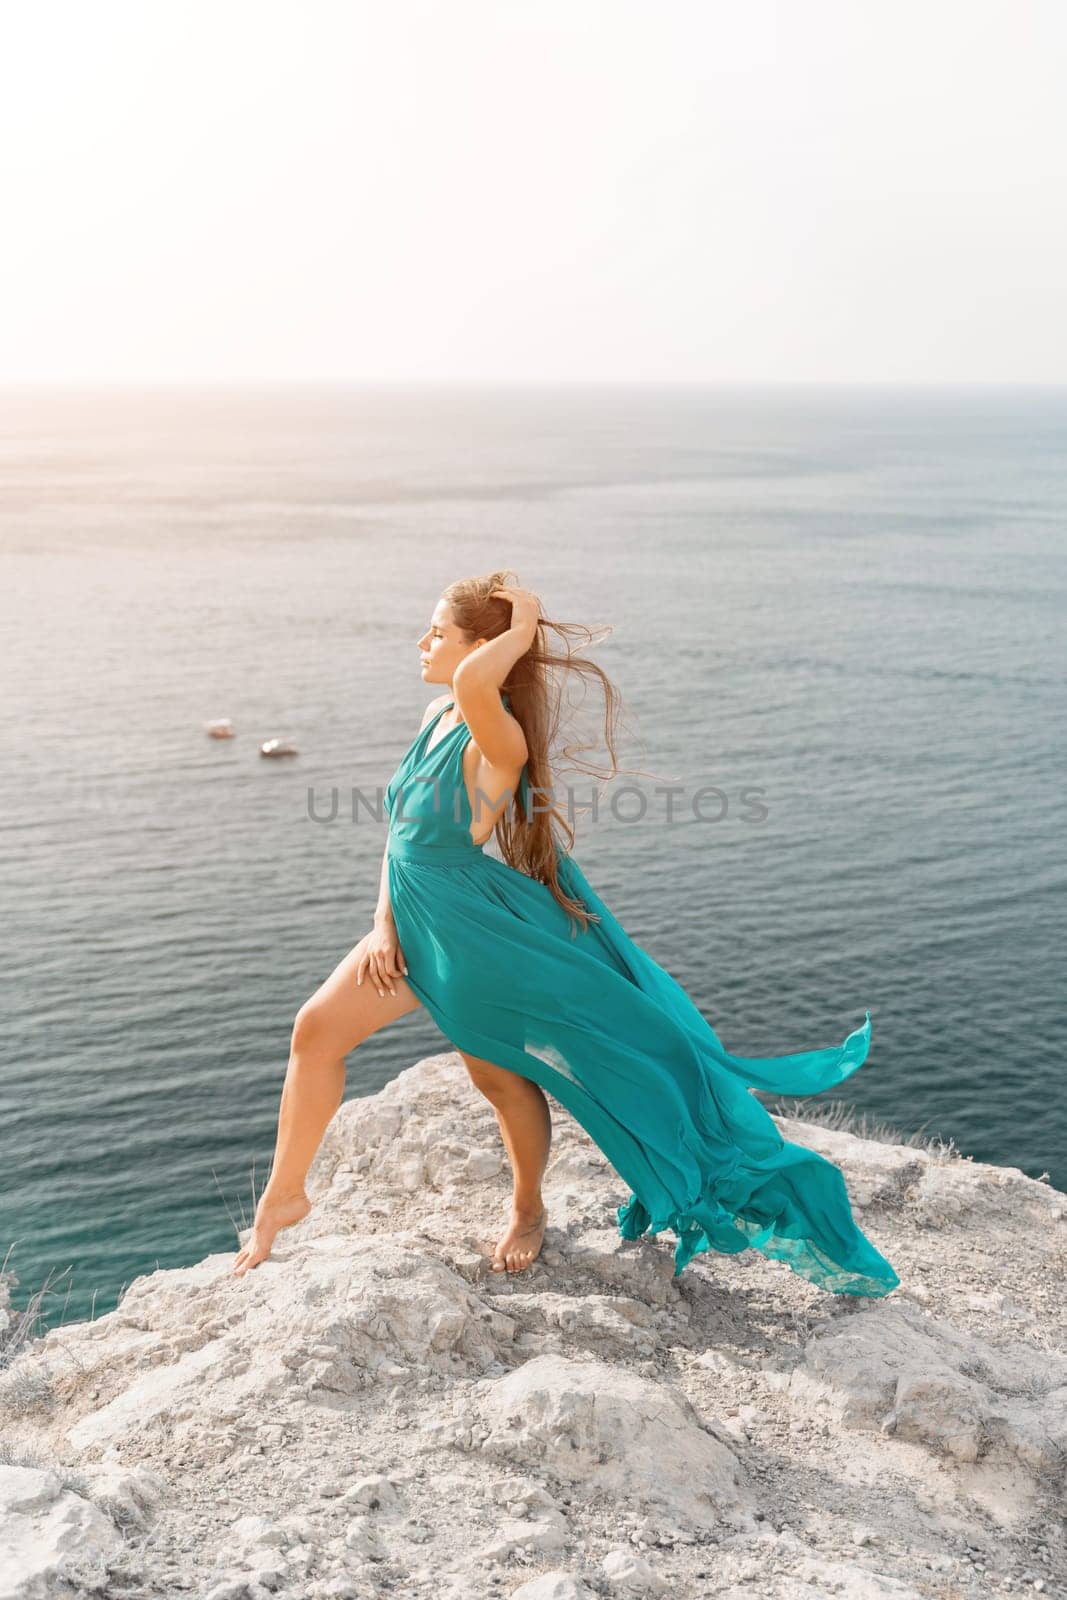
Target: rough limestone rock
373, 1412
617, 1434
51, 1538
552, 1586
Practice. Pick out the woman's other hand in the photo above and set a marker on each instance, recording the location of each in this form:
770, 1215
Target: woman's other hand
380, 957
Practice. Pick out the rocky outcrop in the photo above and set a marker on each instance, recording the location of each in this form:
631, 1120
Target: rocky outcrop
372, 1411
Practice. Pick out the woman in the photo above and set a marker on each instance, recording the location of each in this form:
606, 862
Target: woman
528, 974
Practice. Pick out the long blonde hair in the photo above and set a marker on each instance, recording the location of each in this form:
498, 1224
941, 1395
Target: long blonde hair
535, 688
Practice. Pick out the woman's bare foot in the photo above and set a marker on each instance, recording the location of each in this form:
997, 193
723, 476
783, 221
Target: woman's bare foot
520, 1244
272, 1215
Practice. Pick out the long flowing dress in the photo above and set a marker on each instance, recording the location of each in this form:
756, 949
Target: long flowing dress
598, 1024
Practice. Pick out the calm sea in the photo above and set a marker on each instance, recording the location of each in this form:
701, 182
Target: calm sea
850, 600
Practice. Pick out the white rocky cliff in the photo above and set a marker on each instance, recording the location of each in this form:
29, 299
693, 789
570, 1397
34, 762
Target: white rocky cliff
372, 1411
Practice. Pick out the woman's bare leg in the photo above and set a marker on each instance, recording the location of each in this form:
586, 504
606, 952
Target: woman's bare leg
337, 1018
526, 1127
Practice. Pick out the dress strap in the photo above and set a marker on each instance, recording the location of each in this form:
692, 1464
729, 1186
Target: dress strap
434, 720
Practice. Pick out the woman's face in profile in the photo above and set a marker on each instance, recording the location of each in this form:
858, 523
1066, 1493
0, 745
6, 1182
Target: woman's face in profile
441, 648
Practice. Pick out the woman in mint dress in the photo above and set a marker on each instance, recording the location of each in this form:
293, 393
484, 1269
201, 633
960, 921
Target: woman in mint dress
533, 980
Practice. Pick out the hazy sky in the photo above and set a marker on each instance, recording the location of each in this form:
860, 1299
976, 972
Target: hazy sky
598, 189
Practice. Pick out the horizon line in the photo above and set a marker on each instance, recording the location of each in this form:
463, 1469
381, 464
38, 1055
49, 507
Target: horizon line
10, 384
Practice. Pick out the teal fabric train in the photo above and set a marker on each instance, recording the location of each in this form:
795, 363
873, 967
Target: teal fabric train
598, 1024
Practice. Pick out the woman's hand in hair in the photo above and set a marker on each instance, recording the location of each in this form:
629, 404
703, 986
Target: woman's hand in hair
525, 609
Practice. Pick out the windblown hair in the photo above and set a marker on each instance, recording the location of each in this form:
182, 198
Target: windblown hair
535, 687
